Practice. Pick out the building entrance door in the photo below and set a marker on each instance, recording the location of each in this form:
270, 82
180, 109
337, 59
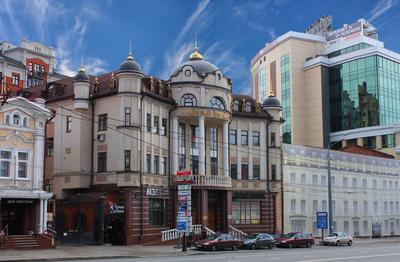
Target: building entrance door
212, 218
115, 232
18, 215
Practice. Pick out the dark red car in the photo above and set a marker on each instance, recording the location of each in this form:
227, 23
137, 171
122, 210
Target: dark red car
295, 240
223, 241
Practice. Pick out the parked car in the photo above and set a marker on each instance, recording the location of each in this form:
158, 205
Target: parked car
295, 240
223, 241
338, 238
254, 241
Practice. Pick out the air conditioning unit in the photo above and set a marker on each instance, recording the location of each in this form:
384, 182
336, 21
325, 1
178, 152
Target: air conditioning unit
101, 137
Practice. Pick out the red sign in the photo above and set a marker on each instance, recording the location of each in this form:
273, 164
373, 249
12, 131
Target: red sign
184, 173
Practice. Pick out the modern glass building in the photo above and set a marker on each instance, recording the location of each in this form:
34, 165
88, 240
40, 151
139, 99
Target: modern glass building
340, 85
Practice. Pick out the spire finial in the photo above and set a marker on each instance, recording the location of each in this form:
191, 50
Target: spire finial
271, 93
82, 68
196, 54
195, 40
130, 56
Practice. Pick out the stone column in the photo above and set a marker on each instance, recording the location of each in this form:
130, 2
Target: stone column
202, 147
250, 153
360, 141
204, 207
45, 214
38, 162
174, 135
225, 143
41, 216
378, 142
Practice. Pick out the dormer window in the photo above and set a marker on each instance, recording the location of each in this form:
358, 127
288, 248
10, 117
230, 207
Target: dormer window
248, 107
216, 102
236, 106
16, 120
188, 100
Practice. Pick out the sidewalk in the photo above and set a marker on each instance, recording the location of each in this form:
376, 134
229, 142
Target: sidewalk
74, 252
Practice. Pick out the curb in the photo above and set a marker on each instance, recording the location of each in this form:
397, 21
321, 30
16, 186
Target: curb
94, 257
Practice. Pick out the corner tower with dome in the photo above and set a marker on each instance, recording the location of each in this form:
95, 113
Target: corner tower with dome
121, 137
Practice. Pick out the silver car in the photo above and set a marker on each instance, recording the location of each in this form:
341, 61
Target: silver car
338, 238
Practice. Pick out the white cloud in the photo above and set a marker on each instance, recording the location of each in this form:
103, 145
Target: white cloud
96, 66
380, 8
147, 65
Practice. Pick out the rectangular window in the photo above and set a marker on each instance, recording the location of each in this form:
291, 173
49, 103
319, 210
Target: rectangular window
182, 146
375, 207
397, 207
303, 207
256, 172
364, 183
293, 178
354, 183
345, 182
156, 130
273, 141
385, 208
365, 207
384, 184
156, 164
49, 146
246, 212
158, 212
256, 138
374, 184
102, 162
293, 206
273, 172
15, 80
315, 206
324, 205
245, 171
214, 150
128, 116
214, 166
5, 158
346, 207
355, 208
164, 126
315, 180
234, 171
102, 123
244, 138
127, 160
232, 137
323, 180
148, 163
365, 227
148, 122
163, 166
303, 179
22, 164
69, 123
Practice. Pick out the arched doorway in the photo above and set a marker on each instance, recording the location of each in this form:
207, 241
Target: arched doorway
114, 232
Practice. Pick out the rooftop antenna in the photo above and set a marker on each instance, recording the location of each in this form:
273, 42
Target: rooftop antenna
130, 46
82, 69
195, 40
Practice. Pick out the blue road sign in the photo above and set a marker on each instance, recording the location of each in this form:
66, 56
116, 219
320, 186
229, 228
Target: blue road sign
322, 220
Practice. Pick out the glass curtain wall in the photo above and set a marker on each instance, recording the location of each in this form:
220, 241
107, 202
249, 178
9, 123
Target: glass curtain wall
286, 108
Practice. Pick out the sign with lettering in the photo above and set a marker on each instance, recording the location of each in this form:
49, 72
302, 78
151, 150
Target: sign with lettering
115, 208
345, 31
322, 220
153, 191
19, 201
184, 218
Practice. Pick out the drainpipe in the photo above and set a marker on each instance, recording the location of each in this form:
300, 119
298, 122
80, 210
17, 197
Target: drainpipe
140, 172
92, 146
172, 214
267, 179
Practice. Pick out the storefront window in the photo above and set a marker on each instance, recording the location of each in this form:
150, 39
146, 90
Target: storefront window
158, 212
246, 212
389, 141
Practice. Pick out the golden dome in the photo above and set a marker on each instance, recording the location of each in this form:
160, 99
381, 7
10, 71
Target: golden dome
196, 55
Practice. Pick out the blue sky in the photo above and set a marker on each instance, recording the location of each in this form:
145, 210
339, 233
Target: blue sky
162, 32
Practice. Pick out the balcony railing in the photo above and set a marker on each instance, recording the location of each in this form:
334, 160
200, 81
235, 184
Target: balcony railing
211, 181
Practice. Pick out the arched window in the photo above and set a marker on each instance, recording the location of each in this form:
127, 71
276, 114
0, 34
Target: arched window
25, 122
16, 120
7, 119
248, 106
236, 105
216, 102
188, 100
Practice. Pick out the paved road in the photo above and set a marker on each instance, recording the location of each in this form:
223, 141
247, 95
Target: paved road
387, 252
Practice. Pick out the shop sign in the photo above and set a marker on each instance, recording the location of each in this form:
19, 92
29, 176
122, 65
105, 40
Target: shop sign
322, 220
19, 201
116, 208
344, 31
153, 191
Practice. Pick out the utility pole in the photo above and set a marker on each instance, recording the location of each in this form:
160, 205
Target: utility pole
330, 208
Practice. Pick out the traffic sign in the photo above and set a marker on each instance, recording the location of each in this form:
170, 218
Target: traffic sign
322, 220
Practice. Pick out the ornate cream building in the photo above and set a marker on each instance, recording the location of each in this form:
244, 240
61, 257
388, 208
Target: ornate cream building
23, 202
118, 139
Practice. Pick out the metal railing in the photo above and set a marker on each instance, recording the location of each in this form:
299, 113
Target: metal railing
236, 233
3, 235
173, 233
47, 233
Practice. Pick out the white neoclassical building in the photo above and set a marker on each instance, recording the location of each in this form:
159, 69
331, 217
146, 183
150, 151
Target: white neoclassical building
366, 196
